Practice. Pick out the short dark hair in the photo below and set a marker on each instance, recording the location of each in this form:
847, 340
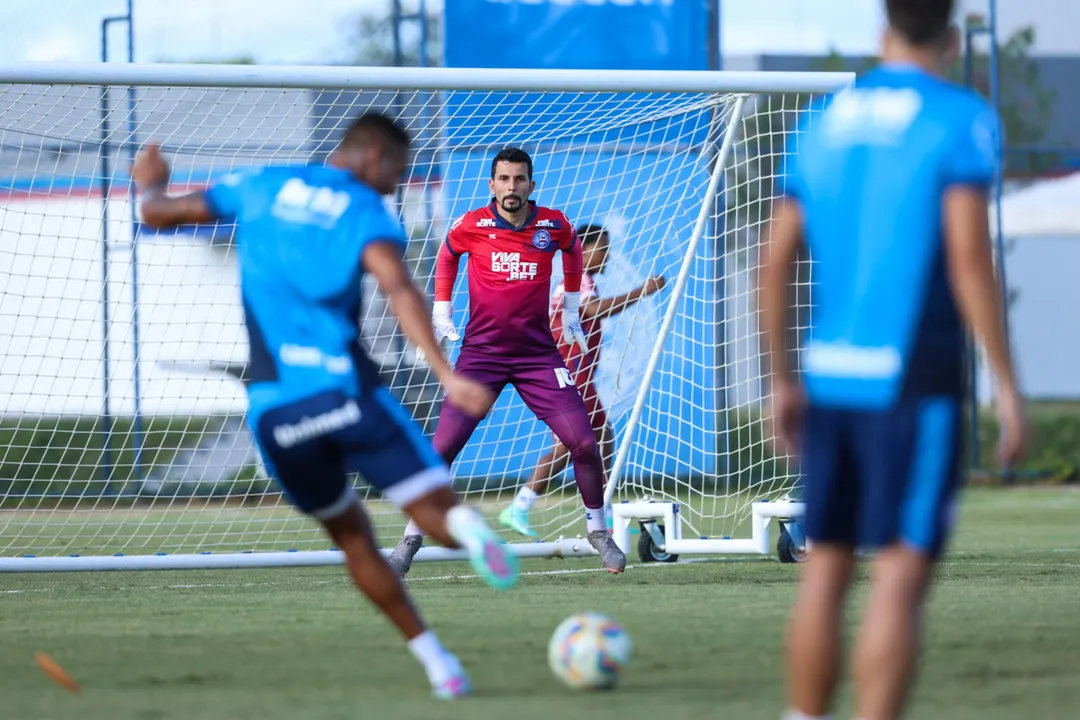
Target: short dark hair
590, 233
512, 155
920, 22
374, 124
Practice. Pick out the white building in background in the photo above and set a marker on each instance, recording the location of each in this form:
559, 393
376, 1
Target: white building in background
1041, 227
54, 338
190, 317
52, 314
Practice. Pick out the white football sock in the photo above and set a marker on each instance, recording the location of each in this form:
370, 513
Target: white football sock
413, 529
525, 498
595, 520
796, 715
461, 523
439, 662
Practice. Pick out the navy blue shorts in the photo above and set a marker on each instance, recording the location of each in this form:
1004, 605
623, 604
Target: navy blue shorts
873, 479
311, 446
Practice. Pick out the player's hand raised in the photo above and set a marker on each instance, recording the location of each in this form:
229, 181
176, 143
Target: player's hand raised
654, 284
150, 169
469, 396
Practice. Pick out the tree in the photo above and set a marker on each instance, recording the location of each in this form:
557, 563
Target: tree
1026, 106
835, 62
372, 39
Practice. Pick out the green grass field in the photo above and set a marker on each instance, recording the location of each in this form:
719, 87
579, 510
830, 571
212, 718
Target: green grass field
1003, 635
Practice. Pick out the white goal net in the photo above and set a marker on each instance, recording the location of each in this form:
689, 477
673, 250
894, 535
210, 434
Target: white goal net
123, 355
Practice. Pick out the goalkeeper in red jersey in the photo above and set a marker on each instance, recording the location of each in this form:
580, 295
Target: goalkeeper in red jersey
511, 244
595, 245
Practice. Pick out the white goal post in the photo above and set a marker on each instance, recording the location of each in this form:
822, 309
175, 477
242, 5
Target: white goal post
122, 351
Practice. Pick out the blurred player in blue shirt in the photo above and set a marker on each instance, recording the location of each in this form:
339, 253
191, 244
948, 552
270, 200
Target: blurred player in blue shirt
305, 237
887, 191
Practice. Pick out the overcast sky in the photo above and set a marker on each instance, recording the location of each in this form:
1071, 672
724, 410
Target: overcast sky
291, 31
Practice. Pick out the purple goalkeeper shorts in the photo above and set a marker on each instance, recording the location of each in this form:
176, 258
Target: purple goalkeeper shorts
542, 381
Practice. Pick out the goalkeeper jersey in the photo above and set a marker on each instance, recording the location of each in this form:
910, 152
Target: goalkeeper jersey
509, 277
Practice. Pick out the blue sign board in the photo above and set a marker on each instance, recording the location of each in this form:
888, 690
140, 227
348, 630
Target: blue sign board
578, 34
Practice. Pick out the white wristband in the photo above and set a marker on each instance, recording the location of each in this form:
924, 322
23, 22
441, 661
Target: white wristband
571, 302
442, 308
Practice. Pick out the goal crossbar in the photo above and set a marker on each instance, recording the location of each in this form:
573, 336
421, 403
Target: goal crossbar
403, 78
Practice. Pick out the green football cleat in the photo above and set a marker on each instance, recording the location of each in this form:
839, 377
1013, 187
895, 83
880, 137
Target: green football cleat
490, 557
517, 520
457, 686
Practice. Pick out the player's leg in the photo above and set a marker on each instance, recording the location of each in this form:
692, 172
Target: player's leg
452, 431
815, 645
391, 453
551, 464
547, 389
605, 436
455, 427
574, 431
598, 418
311, 473
351, 532
814, 640
555, 461
888, 641
373, 576
912, 456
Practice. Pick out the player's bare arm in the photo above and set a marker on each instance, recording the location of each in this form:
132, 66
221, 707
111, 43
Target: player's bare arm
385, 262
151, 175
976, 288
601, 308
774, 278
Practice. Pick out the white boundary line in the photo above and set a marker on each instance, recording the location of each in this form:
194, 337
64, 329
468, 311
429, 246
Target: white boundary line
466, 576
408, 581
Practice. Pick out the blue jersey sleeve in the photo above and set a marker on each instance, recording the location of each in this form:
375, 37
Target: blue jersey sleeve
226, 196
972, 157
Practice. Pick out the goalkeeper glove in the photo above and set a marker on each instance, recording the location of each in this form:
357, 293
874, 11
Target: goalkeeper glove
442, 321
571, 321
442, 324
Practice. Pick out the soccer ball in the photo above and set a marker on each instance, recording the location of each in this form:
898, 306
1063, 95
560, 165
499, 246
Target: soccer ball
589, 651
